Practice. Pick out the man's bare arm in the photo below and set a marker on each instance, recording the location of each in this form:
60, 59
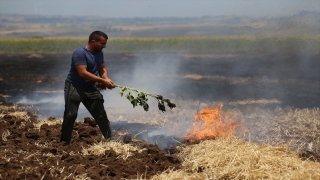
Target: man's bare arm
105, 80
103, 72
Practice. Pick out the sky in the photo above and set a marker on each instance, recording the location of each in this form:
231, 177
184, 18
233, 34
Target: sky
158, 8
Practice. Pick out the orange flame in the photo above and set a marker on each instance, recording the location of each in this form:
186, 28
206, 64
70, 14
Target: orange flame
210, 123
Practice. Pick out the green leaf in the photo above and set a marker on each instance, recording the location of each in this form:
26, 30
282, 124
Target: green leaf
142, 95
145, 107
129, 96
134, 102
123, 89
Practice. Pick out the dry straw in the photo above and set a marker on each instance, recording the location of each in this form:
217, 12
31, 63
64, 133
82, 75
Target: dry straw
229, 158
123, 150
48, 121
233, 158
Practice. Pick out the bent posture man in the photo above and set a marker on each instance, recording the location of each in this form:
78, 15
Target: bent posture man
87, 68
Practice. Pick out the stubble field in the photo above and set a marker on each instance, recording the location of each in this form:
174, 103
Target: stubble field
273, 97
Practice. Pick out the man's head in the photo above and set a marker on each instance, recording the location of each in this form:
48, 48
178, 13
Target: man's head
97, 41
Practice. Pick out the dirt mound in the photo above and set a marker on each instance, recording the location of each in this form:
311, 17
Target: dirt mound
31, 150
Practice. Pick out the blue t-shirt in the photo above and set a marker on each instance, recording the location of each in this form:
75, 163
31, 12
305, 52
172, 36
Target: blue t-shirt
93, 61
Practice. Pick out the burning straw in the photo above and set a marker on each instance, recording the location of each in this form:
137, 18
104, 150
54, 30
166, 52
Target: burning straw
210, 123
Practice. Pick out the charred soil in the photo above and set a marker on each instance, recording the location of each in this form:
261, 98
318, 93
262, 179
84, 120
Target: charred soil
293, 79
32, 153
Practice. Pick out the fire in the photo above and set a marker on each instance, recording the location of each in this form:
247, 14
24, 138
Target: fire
211, 123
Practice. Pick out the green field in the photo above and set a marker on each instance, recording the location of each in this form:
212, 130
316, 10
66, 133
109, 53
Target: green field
288, 44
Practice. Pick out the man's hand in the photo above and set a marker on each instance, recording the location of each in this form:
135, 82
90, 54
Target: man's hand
108, 83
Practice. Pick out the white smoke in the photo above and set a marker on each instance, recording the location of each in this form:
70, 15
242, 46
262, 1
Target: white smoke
32, 101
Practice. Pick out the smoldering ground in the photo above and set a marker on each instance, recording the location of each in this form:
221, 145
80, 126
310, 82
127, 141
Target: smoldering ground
239, 80
291, 79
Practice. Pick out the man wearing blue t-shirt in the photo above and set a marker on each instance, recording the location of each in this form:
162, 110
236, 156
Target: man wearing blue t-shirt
87, 68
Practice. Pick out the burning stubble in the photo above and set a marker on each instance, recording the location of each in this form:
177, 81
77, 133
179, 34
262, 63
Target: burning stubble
264, 77
211, 123
208, 123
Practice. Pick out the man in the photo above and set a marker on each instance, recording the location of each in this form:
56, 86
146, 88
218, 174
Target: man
87, 68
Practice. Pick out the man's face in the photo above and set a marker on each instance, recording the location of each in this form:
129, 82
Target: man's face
97, 46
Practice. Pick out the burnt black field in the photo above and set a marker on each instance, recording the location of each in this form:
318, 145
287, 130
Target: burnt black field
291, 79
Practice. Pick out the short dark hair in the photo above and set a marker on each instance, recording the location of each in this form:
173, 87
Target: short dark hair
95, 35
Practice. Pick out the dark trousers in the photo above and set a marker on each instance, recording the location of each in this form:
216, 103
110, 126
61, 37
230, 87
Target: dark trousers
92, 100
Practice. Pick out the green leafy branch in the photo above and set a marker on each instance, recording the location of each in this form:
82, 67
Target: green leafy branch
141, 98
